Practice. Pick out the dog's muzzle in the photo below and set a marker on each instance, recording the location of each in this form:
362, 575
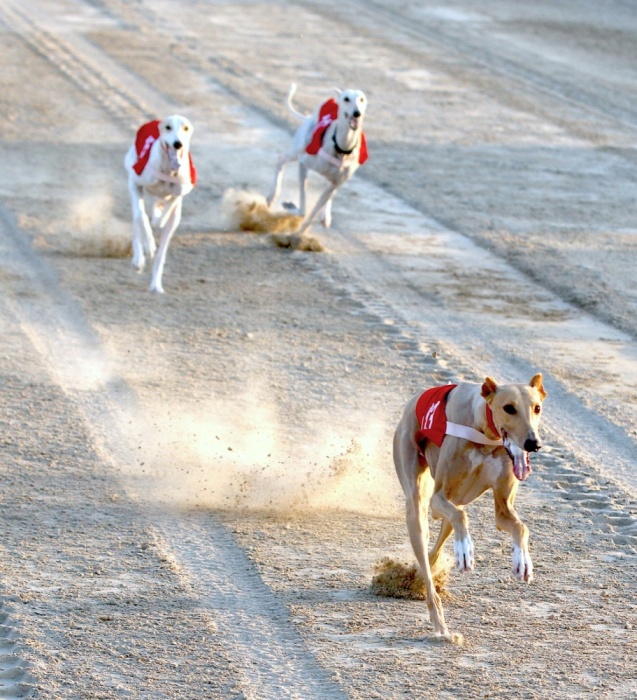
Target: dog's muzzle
354, 121
173, 153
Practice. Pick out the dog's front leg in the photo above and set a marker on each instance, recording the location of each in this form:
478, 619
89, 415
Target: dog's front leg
142, 233
441, 507
507, 520
174, 217
322, 201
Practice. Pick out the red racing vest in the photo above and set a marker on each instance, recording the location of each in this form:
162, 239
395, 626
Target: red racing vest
327, 114
432, 416
146, 137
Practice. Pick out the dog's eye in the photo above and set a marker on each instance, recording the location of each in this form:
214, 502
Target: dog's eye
346, 99
185, 128
510, 409
168, 127
537, 408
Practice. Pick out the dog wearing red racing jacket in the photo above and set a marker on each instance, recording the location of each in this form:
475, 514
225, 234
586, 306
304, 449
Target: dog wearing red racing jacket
331, 142
159, 165
451, 445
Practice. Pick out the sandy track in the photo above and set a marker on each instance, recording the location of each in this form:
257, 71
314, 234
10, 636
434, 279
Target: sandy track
138, 429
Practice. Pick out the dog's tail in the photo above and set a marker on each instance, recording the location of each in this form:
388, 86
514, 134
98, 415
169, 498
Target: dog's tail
291, 93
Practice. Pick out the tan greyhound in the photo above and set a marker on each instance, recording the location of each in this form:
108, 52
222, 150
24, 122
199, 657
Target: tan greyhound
452, 444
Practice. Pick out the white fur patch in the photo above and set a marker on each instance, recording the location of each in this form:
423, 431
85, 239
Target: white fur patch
463, 549
522, 564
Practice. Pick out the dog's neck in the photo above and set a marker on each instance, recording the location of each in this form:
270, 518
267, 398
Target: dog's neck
344, 138
483, 418
165, 171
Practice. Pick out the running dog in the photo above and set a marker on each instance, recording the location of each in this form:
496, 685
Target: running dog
452, 444
159, 164
331, 142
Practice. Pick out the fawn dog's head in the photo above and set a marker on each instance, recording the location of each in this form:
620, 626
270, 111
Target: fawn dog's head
516, 410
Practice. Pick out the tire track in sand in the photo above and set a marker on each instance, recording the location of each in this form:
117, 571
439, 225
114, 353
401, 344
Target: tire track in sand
15, 680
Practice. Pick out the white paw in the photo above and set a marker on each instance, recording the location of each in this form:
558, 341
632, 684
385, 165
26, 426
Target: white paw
463, 550
156, 288
522, 564
326, 221
138, 264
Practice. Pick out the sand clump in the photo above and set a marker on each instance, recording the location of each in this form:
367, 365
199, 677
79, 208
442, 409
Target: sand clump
394, 579
249, 211
294, 241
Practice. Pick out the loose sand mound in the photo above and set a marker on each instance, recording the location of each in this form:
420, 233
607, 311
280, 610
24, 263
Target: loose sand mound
296, 242
248, 211
86, 246
395, 579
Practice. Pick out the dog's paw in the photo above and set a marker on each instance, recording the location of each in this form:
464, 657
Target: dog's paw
138, 264
156, 288
291, 208
522, 564
463, 550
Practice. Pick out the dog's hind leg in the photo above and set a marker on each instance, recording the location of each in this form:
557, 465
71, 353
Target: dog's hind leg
326, 216
445, 530
507, 519
417, 485
418, 528
174, 217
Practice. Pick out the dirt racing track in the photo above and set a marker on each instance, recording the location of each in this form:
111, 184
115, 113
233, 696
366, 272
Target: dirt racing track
196, 487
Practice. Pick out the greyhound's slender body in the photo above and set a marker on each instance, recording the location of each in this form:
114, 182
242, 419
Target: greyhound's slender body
503, 424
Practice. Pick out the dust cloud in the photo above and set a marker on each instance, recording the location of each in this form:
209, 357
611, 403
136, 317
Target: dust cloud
238, 455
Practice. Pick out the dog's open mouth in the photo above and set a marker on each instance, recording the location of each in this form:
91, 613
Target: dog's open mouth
519, 457
174, 157
354, 123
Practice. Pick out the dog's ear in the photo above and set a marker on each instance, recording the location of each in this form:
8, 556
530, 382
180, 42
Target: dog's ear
536, 383
337, 90
489, 387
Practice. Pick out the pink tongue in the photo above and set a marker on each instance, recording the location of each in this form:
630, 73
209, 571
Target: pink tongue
521, 465
521, 462
174, 161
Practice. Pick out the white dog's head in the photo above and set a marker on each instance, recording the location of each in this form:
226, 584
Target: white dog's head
351, 107
175, 133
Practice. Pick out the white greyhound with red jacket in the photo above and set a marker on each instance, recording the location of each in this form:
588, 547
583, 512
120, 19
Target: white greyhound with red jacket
159, 164
452, 444
331, 142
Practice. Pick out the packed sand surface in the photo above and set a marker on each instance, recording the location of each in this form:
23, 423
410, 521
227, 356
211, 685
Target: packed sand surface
197, 488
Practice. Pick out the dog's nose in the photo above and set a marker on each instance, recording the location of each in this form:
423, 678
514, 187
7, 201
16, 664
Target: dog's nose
532, 445
356, 114
177, 145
